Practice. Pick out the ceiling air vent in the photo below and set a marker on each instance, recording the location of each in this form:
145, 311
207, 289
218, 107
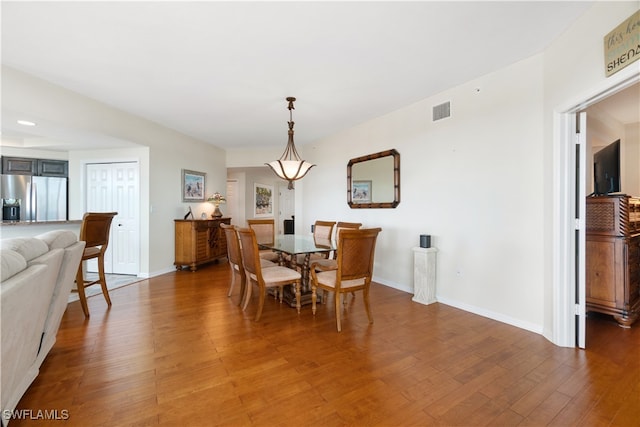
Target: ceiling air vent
441, 111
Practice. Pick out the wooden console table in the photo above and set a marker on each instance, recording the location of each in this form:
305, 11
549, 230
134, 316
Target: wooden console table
613, 257
199, 241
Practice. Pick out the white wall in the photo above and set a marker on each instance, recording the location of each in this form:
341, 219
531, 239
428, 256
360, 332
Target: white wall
254, 157
472, 181
602, 130
34, 153
631, 161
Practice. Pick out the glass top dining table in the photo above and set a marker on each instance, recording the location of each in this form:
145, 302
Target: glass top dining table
299, 244
296, 244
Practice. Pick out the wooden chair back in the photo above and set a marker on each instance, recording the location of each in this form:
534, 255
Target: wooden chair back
234, 254
323, 229
95, 229
356, 250
322, 234
264, 229
236, 264
250, 252
344, 226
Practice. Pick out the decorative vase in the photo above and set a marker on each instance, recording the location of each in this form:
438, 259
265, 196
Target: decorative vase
216, 212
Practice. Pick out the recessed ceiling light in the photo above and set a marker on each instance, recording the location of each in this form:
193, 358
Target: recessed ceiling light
26, 123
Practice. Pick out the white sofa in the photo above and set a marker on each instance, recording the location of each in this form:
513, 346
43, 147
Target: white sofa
37, 276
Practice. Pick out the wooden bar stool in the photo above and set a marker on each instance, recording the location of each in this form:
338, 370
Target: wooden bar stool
95, 232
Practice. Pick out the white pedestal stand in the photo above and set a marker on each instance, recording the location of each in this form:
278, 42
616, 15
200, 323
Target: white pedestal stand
424, 275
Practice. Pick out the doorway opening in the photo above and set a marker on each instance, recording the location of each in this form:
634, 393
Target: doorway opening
569, 316
286, 210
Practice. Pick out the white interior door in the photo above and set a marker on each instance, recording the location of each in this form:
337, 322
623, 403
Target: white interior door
115, 187
286, 206
232, 208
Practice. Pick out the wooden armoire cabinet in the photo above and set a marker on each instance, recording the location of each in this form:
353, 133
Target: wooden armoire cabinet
199, 241
613, 257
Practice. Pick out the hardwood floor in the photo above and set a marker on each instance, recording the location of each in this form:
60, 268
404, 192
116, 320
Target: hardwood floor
174, 350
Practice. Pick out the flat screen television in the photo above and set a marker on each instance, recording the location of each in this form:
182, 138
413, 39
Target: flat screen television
606, 170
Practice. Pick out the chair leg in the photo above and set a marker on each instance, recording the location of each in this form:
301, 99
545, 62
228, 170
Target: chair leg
296, 286
365, 292
247, 296
81, 294
338, 309
261, 297
314, 298
233, 280
243, 288
103, 280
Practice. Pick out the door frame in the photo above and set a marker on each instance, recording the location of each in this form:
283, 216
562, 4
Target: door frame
565, 256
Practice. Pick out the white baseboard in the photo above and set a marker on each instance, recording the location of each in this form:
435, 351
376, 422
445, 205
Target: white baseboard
157, 273
394, 285
480, 311
532, 327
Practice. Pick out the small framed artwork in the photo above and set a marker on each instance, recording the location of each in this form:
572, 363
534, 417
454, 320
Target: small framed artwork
262, 200
193, 186
361, 192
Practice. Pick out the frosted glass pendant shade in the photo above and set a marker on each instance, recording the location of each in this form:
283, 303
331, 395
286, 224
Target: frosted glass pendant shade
290, 170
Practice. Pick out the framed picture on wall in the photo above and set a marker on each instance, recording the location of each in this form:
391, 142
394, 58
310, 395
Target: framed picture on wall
193, 186
361, 192
262, 201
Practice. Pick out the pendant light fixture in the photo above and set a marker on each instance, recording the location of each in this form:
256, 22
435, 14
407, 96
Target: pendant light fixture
290, 167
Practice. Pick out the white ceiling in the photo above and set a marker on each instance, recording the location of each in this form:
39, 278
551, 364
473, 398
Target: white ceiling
220, 71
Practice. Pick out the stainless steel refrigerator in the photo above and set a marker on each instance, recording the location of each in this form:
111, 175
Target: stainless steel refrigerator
40, 198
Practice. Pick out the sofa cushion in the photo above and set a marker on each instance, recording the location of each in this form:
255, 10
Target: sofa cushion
28, 247
58, 238
12, 263
25, 301
64, 283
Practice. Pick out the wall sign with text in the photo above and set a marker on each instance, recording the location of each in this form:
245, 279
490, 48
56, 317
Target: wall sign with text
622, 45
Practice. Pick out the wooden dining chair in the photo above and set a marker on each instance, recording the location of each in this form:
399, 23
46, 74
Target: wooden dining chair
322, 232
331, 263
94, 230
234, 256
356, 250
271, 277
265, 230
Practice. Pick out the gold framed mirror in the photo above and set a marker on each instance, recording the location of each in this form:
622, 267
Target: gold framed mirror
373, 181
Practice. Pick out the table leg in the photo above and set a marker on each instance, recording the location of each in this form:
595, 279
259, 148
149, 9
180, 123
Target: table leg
305, 288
